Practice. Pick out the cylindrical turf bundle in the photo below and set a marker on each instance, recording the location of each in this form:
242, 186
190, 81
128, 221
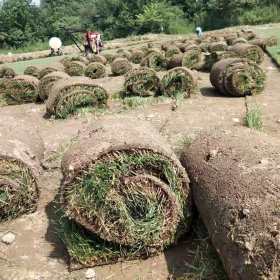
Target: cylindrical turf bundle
175, 61
204, 46
192, 58
65, 60
95, 70
271, 41
248, 51
172, 51
137, 56
21, 89
247, 34
235, 185
237, 77
218, 46
75, 68
230, 38
141, 82
155, 60
124, 54
126, 188
179, 80
264, 43
21, 151
80, 59
46, 83
69, 95
120, 66
7, 72
239, 40
110, 57
52, 68
98, 58
32, 71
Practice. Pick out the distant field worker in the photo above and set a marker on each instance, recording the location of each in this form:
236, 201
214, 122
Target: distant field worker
93, 41
198, 31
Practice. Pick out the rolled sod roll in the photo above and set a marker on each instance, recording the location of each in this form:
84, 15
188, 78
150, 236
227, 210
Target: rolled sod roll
98, 58
21, 151
248, 34
69, 95
46, 83
120, 66
237, 77
192, 58
218, 46
80, 59
32, 71
175, 61
141, 82
75, 68
65, 60
172, 51
52, 68
230, 38
248, 51
7, 72
110, 57
271, 41
127, 190
137, 56
124, 54
235, 185
95, 70
155, 60
264, 43
239, 40
179, 80
21, 89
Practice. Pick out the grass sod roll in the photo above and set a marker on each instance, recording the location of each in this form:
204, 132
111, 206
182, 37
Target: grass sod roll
264, 43
52, 68
21, 89
32, 71
251, 52
75, 68
21, 151
141, 82
95, 70
172, 51
175, 61
237, 77
69, 95
137, 56
97, 58
110, 57
179, 80
127, 190
218, 46
7, 72
239, 203
155, 60
48, 81
120, 66
192, 58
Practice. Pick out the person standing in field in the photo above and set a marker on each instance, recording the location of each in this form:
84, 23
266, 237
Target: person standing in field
199, 32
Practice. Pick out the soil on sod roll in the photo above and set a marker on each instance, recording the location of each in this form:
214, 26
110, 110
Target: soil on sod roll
193, 58
179, 80
52, 68
69, 95
238, 198
97, 58
237, 77
120, 66
75, 68
32, 71
95, 70
126, 194
7, 72
175, 61
21, 89
137, 56
21, 151
249, 51
155, 60
46, 83
142, 82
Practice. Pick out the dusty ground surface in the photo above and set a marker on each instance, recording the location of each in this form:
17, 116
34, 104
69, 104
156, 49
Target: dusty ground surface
38, 254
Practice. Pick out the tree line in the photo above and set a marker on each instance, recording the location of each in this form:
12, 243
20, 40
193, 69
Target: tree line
23, 23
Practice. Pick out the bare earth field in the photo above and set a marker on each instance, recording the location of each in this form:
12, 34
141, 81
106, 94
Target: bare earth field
38, 254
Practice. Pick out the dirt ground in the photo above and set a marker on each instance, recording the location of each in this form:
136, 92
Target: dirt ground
38, 254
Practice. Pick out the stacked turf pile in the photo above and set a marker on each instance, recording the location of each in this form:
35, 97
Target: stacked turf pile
75, 68
69, 95
52, 68
237, 77
125, 194
238, 199
179, 80
7, 72
141, 82
251, 52
46, 83
21, 151
32, 71
21, 89
120, 66
155, 60
95, 70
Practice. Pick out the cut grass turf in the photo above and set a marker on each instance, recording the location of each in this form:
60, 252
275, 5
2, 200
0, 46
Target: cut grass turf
253, 118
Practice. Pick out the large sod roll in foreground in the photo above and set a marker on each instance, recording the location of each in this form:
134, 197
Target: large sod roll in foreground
21, 151
236, 188
251, 52
127, 193
95, 70
237, 77
179, 80
21, 89
46, 83
141, 82
155, 60
69, 95
120, 66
